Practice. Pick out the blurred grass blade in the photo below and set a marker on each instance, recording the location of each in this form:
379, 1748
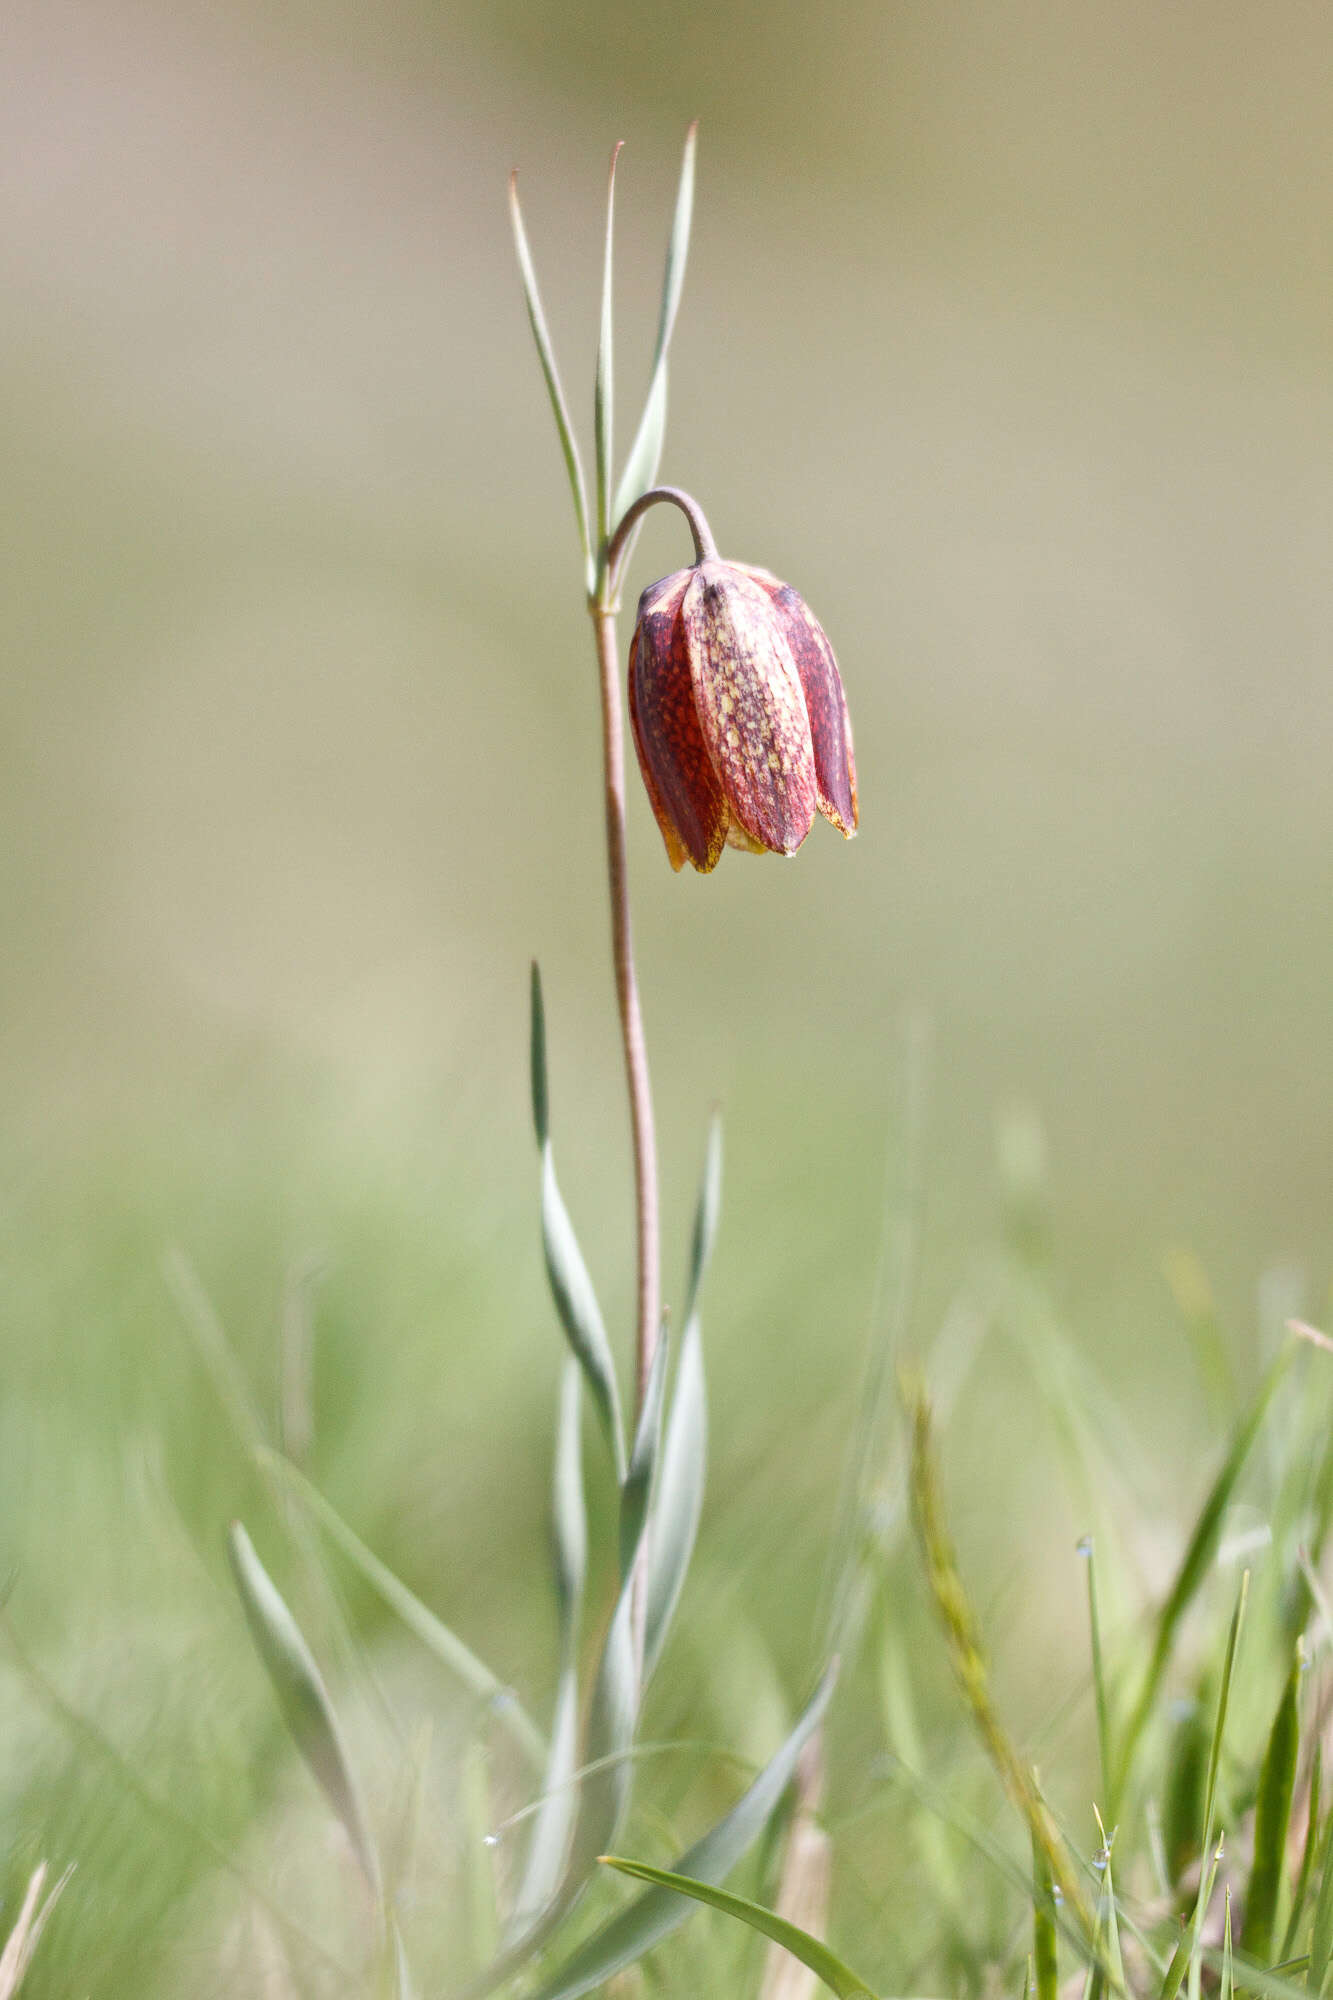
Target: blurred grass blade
301, 1694
537, 1058
967, 1655
32, 1919
1193, 1567
680, 1494
706, 1211
1321, 1937
655, 1914
636, 1492
553, 1825
1302, 1889
1272, 1819
436, 1636
839, 1978
1088, 1551
646, 452
1227, 1971
1045, 1953
1223, 1703
604, 401
571, 1286
546, 355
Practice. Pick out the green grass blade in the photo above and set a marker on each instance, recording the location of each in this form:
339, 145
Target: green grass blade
1223, 1702
680, 1493
636, 1493
433, 1634
1088, 1552
1277, 1783
839, 1978
569, 1514
1321, 1937
1193, 1568
658, 1912
302, 1695
546, 355
541, 1121
604, 400
646, 451
1227, 1985
1303, 1878
1045, 1947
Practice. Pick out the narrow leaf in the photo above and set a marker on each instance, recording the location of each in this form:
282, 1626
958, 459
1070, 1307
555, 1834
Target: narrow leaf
540, 1106
605, 396
1302, 1889
1227, 1987
571, 1286
1088, 1551
1045, 1954
706, 1211
580, 1314
646, 452
1277, 1782
655, 1914
437, 1638
302, 1695
680, 1494
1194, 1566
546, 355
839, 1978
1321, 1938
553, 1825
636, 1492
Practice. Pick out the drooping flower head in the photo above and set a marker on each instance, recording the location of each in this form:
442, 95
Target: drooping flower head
738, 714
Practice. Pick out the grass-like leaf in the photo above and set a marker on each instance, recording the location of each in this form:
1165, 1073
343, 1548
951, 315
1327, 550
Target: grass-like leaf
1045, 1941
1321, 1936
680, 1494
571, 1286
1277, 1782
302, 1695
1088, 1550
706, 1211
604, 400
811, 1951
1306, 1870
1193, 1568
422, 1622
646, 451
546, 355
548, 1844
658, 1912
636, 1493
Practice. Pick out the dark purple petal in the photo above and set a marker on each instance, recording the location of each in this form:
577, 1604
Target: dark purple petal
678, 774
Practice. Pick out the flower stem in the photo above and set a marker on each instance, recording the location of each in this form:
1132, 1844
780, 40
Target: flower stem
627, 993
705, 548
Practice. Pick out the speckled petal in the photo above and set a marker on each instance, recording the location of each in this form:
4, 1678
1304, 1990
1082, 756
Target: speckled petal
678, 774
830, 724
750, 704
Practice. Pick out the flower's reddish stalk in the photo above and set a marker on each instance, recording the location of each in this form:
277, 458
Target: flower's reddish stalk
627, 992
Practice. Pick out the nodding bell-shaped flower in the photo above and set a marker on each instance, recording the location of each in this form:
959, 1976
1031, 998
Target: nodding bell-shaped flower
738, 714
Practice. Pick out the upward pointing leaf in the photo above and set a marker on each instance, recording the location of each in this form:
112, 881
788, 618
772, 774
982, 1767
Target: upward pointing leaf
658, 1912
646, 452
637, 1489
811, 1951
546, 355
571, 1286
680, 1494
553, 1825
604, 402
302, 1695
705, 1215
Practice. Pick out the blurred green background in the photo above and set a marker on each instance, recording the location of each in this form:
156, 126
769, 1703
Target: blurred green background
1005, 338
